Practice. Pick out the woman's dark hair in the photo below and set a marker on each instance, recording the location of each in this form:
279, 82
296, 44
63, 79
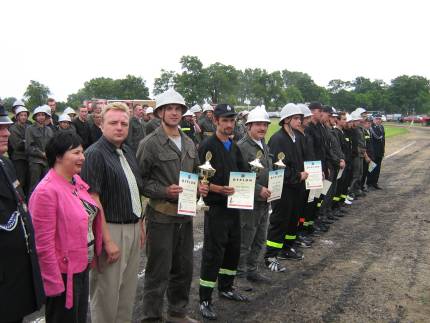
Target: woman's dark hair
59, 144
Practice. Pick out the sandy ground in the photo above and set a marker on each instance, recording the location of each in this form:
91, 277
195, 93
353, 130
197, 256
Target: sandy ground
372, 266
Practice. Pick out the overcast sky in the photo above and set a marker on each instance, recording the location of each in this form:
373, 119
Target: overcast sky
62, 44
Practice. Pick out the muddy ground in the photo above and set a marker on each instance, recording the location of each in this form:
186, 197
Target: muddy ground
372, 266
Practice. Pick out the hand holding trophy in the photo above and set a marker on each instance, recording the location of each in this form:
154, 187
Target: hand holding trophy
206, 172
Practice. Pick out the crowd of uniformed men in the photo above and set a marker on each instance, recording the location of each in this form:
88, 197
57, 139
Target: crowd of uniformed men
171, 138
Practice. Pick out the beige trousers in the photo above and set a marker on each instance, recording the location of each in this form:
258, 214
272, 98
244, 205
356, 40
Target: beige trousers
113, 289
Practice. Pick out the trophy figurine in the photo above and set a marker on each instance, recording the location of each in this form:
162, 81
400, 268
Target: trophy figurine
280, 163
256, 165
206, 171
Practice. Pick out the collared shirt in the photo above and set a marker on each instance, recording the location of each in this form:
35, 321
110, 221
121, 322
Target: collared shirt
102, 170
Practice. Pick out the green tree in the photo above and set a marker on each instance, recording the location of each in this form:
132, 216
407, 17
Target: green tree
310, 91
164, 82
36, 94
192, 82
131, 87
223, 83
8, 102
293, 94
410, 94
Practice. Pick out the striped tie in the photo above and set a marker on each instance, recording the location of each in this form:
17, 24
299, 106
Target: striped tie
132, 185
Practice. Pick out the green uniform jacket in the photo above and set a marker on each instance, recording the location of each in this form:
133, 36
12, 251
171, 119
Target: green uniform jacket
160, 162
249, 148
36, 139
17, 141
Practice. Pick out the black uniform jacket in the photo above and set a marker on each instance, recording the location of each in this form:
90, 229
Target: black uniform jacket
282, 142
316, 132
377, 136
224, 162
21, 287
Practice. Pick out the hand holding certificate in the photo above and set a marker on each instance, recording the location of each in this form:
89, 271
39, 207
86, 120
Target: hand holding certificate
315, 178
244, 186
276, 183
187, 204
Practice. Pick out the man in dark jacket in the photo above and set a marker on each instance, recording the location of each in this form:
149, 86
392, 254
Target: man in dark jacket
377, 138
221, 247
21, 288
136, 129
82, 126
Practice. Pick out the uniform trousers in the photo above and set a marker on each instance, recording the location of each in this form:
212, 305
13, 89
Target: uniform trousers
357, 173
169, 268
373, 177
253, 235
221, 250
37, 172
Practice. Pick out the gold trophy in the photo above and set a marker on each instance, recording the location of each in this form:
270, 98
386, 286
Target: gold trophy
206, 171
256, 165
280, 164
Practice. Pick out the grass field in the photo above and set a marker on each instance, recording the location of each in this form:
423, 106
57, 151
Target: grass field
390, 131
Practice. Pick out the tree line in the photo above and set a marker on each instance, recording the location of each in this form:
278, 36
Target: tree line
224, 83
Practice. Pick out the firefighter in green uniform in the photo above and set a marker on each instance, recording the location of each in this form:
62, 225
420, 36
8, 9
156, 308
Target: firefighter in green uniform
206, 122
254, 223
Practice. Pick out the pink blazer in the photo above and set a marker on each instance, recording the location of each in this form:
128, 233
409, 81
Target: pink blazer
61, 228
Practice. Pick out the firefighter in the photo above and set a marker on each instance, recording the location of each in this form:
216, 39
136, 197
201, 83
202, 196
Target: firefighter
316, 132
254, 223
369, 152
284, 218
335, 162
307, 208
221, 246
17, 153
206, 122
377, 137
342, 183
358, 152
161, 156
187, 125
36, 138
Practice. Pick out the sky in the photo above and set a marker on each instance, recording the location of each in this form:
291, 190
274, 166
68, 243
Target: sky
62, 44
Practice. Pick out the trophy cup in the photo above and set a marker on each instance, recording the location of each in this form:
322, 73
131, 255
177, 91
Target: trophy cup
256, 165
280, 164
206, 171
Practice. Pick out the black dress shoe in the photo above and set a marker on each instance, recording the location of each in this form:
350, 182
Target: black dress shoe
207, 311
233, 296
290, 254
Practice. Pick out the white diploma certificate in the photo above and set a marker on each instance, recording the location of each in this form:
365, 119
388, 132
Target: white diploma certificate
244, 189
372, 166
276, 183
315, 177
187, 201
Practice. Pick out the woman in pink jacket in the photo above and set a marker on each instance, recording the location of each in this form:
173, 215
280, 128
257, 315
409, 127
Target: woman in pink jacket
67, 227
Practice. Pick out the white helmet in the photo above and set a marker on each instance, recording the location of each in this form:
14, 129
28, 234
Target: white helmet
149, 110
356, 116
207, 107
306, 111
188, 113
360, 110
18, 103
289, 110
64, 117
170, 97
196, 108
348, 117
40, 109
47, 110
69, 110
21, 109
258, 114
334, 112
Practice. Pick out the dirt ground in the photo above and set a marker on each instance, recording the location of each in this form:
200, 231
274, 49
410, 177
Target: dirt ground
372, 266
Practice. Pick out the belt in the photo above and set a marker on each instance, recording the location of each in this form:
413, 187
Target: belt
164, 207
